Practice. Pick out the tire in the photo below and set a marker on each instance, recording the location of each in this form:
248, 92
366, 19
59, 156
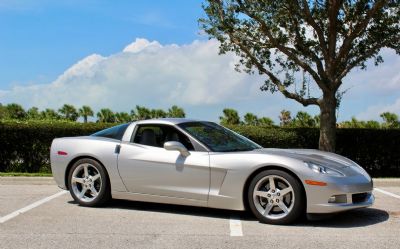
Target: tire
88, 183
280, 203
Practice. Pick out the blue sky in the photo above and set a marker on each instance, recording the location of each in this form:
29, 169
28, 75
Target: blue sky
40, 39
121, 53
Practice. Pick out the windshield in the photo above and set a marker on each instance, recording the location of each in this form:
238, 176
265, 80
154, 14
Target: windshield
218, 138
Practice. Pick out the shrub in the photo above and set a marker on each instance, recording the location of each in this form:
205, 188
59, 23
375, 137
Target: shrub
24, 146
376, 150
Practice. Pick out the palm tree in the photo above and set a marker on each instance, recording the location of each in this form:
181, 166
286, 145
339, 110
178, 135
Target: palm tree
105, 115
285, 118
69, 112
49, 114
303, 119
176, 112
85, 112
122, 117
250, 119
3, 112
231, 117
265, 122
141, 113
15, 111
158, 113
33, 113
391, 120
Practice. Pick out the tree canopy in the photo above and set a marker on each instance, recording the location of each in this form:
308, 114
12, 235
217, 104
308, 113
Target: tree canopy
299, 45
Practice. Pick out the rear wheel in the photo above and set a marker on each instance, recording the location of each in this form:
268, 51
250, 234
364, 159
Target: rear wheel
276, 197
88, 183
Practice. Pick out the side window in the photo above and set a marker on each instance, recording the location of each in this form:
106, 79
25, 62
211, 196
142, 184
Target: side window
150, 135
157, 135
116, 132
173, 134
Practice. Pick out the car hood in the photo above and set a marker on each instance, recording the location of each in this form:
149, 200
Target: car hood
331, 160
309, 155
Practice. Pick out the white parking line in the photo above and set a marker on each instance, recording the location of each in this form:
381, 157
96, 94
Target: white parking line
31, 206
235, 226
387, 193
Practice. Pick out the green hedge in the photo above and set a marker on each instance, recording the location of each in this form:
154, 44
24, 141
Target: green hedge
377, 150
24, 147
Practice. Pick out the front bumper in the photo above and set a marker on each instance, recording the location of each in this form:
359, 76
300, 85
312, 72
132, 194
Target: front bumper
356, 189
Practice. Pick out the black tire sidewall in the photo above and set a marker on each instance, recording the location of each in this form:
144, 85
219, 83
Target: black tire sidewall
104, 192
299, 204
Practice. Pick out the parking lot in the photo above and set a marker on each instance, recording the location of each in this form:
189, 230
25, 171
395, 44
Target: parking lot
34, 213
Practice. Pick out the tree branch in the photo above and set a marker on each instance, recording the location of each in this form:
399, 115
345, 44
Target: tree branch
262, 69
289, 52
310, 20
359, 27
333, 13
368, 53
274, 79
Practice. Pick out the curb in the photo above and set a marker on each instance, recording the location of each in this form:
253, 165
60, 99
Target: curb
26, 180
386, 182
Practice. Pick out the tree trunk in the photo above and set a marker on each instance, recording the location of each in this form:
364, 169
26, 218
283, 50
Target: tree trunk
327, 135
85, 119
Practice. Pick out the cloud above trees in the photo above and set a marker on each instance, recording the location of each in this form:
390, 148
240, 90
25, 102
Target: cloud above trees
195, 77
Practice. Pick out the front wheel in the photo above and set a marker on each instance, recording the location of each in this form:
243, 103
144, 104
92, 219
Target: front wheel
276, 197
88, 183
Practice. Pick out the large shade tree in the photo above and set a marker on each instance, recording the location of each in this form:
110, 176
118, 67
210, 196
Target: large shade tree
320, 41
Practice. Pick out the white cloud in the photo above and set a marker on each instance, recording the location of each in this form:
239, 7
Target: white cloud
374, 111
144, 73
195, 77
141, 44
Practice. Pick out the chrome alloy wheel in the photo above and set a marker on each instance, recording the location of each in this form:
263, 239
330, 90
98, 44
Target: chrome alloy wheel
86, 182
273, 197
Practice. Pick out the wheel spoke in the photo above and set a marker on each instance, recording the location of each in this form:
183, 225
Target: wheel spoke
271, 182
82, 193
261, 193
268, 209
285, 191
85, 169
283, 207
94, 191
95, 177
77, 179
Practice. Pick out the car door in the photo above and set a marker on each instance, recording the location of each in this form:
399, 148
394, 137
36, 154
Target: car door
146, 167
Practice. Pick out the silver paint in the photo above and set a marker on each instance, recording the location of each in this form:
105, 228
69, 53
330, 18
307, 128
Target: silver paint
206, 178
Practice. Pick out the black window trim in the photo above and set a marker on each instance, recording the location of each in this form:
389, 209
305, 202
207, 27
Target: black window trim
197, 146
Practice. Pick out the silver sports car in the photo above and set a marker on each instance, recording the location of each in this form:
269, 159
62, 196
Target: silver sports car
190, 162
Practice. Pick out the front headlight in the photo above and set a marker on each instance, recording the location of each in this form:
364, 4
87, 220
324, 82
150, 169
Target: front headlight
323, 169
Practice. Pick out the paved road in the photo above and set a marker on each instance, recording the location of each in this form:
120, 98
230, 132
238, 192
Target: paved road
61, 223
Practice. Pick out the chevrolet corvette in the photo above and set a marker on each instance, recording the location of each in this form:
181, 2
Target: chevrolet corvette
200, 163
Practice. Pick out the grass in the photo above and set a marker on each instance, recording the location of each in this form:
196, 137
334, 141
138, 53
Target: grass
24, 174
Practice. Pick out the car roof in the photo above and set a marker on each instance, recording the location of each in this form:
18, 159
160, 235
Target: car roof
171, 121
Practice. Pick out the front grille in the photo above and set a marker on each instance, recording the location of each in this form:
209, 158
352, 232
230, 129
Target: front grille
360, 197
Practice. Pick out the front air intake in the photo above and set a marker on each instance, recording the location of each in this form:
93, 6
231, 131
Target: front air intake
360, 197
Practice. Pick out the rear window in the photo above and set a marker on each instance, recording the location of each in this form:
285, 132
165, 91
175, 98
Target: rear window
116, 132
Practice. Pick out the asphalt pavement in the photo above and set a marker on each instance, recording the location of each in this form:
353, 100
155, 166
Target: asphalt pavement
34, 213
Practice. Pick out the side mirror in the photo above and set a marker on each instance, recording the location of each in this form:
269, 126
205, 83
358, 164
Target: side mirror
172, 145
